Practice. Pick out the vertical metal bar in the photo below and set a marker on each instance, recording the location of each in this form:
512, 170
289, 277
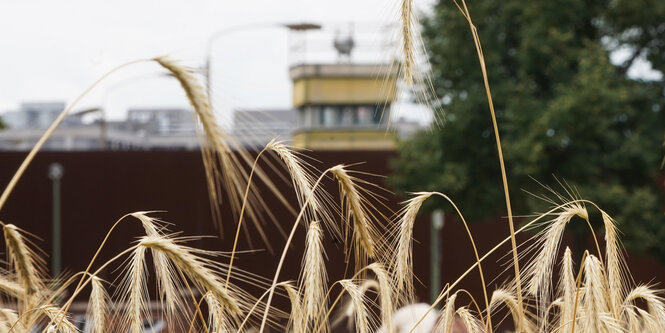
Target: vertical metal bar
55, 173
438, 221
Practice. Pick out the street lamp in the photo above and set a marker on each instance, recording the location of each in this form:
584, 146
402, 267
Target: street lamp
300, 27
55, 173
438, 221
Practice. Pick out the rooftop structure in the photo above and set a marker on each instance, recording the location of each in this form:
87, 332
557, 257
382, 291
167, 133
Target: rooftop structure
344, 106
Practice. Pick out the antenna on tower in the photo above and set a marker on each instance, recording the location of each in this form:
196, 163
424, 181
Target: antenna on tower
344, 44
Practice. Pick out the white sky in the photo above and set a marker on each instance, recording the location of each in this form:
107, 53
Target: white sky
52, 50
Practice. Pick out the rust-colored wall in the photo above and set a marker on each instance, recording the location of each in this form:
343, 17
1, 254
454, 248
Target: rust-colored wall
100, 187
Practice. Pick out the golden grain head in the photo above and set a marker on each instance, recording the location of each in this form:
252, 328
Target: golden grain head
98, 306
357, 305
26, 263
314, 278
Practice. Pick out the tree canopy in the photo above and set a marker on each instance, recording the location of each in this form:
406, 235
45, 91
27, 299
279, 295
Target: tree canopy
569, 105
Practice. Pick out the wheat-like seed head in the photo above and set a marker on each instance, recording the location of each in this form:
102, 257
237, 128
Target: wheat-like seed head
408, 44
503, 296
642, 321
386, 292
595, 313
539, 270
403, 263
10, 319
218, 320
97, 306
567, 290
365, 234
5, 325
23, 259
133, 292
447, 316
358, 305
216, 138
168, 281
472, 324
151, 225
195, 267
9, 286
413, 52
224, 159
303, 182
616, 266
59, 319
655, 305
313, 275
297, 322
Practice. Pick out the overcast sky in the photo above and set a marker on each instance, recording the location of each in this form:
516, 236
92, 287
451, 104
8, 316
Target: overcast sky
52, 50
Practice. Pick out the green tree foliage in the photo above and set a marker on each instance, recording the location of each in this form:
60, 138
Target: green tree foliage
563, 107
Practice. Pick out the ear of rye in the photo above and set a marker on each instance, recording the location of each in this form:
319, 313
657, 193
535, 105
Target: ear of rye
23, 259
313, 275
97, 306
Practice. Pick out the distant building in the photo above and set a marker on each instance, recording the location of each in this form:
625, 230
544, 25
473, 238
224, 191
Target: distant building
161, 121
255, 128
163, 129
344, 106
35, 115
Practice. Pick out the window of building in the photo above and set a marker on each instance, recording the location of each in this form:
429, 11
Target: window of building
365, 116
348, 116
331, 116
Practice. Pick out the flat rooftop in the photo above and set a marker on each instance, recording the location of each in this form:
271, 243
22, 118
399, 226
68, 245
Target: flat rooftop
343, 71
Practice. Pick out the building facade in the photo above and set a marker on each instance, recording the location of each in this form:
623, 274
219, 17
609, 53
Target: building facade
343, 106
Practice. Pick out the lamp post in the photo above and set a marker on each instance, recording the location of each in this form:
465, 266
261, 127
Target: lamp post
302, 26
438, 220
55, 173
